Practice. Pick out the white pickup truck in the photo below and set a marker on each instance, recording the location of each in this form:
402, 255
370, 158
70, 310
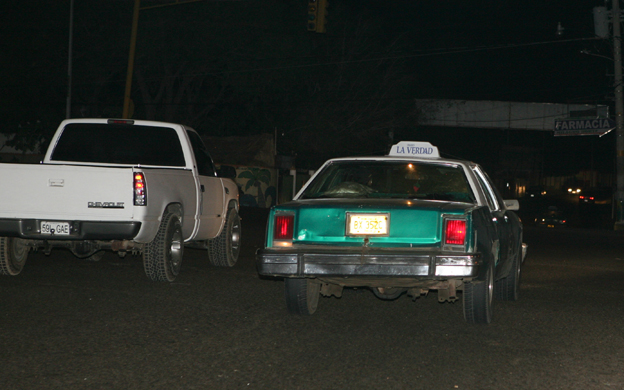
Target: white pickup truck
129, 186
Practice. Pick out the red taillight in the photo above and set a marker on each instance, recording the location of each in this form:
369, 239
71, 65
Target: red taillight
140, 192
283, 227
455, 232
120, 122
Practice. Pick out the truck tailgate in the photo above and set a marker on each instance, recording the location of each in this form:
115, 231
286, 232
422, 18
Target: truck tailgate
64, 192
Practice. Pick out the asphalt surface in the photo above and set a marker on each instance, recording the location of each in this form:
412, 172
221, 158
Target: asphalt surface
72, 324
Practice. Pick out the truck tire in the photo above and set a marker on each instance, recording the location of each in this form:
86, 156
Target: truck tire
13, 255
478, 299
302, 295
508, 288
162, 257
223, 250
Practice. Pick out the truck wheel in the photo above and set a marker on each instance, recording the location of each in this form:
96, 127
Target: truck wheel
13, 255
163, 256
223, 250
302, 295
508, 288
478, 299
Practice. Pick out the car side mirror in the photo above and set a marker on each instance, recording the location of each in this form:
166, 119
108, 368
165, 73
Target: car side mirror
512, 204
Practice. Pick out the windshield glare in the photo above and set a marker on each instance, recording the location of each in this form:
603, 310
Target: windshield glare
391, 179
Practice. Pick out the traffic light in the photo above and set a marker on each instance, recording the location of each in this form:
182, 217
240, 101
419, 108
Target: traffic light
312, 15
317, 15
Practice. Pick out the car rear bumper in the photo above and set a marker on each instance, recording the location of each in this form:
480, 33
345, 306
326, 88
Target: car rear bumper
80, 230
366, 263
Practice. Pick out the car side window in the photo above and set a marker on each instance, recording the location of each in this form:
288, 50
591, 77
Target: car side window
205, 166
489, 191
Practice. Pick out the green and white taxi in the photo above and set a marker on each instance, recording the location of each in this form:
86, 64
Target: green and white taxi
405, 223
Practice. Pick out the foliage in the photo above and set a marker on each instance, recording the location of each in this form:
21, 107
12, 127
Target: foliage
256, 176
30, 136
233, 71
241, 68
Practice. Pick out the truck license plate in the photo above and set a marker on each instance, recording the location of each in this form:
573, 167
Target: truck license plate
367, 224
56, 228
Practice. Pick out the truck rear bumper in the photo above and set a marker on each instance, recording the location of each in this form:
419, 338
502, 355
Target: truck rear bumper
80, 230
380, 263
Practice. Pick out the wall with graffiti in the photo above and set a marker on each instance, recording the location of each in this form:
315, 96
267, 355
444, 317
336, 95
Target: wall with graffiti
257, 186
265, 187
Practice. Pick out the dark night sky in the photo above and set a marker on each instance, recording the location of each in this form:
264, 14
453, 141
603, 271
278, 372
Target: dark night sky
509, 51
494, 50
499, 50
457, 49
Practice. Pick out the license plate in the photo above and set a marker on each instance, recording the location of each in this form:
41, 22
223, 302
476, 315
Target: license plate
367, 224
55, 228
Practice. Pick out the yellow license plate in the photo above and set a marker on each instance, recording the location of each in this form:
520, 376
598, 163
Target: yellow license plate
367, 224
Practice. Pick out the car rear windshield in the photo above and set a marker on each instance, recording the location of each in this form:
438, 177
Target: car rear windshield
391, 179
119, 144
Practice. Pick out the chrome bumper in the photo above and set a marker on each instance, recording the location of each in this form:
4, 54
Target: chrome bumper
379, 262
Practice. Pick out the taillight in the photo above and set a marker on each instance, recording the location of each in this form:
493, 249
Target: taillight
455, 233
140, 190
120, 122
283, 230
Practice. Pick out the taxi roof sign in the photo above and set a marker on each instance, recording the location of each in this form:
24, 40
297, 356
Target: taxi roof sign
414, 149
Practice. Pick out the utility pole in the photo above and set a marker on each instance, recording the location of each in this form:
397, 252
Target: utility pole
126, 113
133, 36
619, 119
69, 61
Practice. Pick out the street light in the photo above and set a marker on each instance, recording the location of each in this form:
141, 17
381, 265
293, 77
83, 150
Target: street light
589, 53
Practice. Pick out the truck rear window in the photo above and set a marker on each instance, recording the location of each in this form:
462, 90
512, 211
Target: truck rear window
119, 144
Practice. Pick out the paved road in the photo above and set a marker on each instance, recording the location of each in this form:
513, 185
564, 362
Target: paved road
71, 324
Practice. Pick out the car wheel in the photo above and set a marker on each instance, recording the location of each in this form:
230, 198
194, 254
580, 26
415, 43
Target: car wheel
223, 250
162, 257
508, 288
302, 295
13, 255
478, 299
